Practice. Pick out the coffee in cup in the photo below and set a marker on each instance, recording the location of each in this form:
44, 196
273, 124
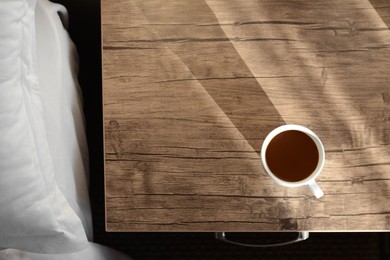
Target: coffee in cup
293, 156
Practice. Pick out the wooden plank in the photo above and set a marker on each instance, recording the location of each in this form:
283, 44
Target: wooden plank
191, 88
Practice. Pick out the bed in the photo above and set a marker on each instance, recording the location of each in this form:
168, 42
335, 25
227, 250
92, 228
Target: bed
45, 208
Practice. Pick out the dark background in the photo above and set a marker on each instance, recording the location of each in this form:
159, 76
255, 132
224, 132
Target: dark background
84, 29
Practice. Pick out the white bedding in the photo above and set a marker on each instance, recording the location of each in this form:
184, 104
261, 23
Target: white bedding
62, 108
44, 204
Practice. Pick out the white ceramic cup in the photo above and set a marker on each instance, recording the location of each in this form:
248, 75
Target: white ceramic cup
310, 180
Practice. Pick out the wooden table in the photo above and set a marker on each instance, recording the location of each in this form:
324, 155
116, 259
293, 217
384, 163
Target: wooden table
191, 89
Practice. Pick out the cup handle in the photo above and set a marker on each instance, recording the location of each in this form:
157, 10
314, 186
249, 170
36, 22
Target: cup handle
316, 189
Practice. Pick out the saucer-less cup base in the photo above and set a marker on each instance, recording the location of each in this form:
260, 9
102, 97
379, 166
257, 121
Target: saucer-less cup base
310, 180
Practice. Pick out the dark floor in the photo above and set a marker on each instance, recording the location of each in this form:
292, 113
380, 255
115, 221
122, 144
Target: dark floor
85, 31
204, 246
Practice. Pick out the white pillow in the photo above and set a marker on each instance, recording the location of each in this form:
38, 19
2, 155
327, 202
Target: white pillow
62, 108
34, 215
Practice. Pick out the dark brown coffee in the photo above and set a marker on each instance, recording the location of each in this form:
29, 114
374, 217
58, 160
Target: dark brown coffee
292, 156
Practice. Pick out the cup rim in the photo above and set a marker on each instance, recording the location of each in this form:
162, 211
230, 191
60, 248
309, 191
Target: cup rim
312, 135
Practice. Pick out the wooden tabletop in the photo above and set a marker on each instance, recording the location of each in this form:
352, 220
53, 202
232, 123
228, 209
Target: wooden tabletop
191, 89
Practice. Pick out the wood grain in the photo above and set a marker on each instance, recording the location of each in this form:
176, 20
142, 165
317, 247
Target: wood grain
191, 89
